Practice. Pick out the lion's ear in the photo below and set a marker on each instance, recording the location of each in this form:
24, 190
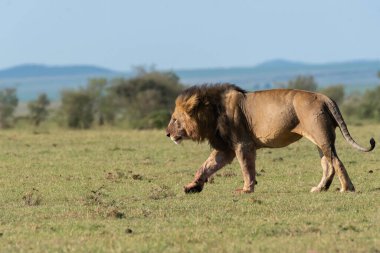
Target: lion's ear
191, 103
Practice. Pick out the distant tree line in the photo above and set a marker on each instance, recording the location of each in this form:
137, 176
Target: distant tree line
144, 101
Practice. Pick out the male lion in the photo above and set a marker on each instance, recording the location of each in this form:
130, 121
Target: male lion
237, 123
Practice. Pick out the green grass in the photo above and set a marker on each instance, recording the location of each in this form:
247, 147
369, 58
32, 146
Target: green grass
110, 190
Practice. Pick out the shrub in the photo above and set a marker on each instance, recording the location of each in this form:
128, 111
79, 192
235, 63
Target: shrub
77, 108
104, 107
335, 92
370, 104
38, 109
8, 104
366, 106
145, 100
303, 83
92, 104
156, 119
351, 104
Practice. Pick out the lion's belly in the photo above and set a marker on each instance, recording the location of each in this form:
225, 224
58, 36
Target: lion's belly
276, 140
276, 132
272, 120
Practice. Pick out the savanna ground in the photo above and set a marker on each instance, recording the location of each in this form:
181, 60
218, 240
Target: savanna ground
112, 190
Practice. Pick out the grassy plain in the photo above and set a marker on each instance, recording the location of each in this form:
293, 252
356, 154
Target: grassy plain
112, 190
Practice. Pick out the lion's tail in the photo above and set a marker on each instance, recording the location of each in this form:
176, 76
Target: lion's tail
334, 110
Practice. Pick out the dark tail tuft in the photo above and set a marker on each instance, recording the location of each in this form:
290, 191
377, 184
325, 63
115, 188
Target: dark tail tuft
373, 144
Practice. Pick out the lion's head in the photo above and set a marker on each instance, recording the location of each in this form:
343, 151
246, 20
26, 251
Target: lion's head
197, 113
183, 123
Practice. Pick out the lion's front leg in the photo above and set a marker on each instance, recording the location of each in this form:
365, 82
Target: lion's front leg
246, 155
214, 162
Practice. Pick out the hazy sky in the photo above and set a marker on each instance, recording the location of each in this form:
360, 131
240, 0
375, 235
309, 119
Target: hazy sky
175, 34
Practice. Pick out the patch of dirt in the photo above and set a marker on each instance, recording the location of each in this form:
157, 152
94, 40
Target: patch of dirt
278, 159
102, 205
228, 174
137, 177
256, 201
117, 148
115, 213
349, 227
118, 175
160, 192
32, 198
96, 197
147, 161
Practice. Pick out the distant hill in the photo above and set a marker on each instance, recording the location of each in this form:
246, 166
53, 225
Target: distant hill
37, 70
279, 64
32, 79
355, 75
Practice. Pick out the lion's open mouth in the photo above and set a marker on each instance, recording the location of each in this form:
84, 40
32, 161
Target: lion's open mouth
177, 140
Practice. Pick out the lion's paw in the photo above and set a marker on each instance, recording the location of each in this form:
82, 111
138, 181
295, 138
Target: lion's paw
239, 191
193, 188
351, 188
316, 189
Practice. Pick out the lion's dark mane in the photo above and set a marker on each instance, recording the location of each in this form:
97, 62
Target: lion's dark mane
211, 113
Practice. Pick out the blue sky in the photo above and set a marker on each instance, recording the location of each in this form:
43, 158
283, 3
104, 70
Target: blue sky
174, 34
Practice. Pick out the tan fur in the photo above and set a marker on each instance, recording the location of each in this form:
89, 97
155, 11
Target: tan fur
237, 123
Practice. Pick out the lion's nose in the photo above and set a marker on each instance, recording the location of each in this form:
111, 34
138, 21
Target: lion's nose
168, 134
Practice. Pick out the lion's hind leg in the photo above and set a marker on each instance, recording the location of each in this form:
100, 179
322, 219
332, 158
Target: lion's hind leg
345, 180
332, 160
327, 176
320, 129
